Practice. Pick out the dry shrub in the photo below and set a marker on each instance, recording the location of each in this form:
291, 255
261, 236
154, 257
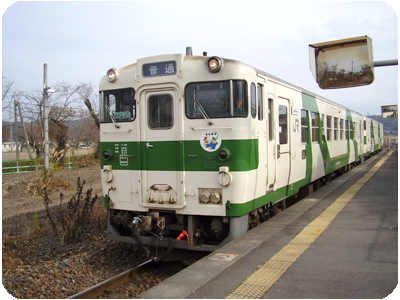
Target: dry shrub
66, 220
46, 181
69, 220
83, 161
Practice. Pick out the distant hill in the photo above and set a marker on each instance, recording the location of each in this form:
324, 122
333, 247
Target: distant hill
389, 125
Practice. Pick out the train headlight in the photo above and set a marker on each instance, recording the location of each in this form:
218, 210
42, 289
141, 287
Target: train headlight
214, 64
112, 74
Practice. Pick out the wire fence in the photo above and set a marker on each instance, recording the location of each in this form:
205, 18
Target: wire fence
29, 168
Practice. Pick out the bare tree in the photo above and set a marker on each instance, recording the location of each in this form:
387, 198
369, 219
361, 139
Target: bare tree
33, 104
65, 106
92, 107
7, 94
334, 69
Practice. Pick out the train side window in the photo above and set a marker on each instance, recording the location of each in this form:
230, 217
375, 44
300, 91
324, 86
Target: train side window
160, 111
351, 132
260, 102
270, 120
283, 125
355, 133
335, 129
314, 126
323, 127
253, 100
304, 126
341, 129
328, 128
346, 129
371, 130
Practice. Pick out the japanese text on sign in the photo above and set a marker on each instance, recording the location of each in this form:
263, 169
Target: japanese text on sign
159, 69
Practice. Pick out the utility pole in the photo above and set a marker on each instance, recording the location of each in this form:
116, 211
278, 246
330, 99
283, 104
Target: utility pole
16, 131
11, 137
46, 120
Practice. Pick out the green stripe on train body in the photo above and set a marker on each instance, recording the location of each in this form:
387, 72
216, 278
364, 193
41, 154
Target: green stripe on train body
310, 104
180, 156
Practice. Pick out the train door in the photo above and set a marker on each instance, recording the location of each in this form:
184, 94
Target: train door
283, 143
161, 159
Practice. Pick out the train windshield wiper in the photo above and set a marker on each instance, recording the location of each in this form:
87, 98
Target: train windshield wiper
201, 108
112, 118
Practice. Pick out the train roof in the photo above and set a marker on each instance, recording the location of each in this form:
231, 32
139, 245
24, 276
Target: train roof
302, 89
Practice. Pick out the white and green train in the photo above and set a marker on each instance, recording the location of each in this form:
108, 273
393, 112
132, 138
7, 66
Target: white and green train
205, 147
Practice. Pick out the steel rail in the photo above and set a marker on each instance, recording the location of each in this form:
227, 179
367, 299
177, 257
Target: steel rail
110, 283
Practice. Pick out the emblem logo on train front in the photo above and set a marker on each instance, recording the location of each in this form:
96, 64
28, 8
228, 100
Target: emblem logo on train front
210, 140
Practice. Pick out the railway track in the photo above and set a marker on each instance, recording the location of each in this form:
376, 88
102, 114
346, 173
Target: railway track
112, 283
128, 276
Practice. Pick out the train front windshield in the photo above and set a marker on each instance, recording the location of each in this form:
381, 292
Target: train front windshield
117, 105
220, 99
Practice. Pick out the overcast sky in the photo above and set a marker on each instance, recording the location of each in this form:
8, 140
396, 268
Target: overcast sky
80, 41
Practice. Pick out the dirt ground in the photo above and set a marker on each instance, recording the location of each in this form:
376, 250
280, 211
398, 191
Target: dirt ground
16, 200
38, 264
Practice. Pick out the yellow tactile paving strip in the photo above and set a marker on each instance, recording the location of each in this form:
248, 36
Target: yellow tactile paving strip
257, 284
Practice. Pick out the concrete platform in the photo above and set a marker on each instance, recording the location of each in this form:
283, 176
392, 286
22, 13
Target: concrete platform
354, 255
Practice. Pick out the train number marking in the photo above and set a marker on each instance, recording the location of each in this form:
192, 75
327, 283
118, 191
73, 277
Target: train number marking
296, 125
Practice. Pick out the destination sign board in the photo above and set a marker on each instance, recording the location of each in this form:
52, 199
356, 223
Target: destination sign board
159, 69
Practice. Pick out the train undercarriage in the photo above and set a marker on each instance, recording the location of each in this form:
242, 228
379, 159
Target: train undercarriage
169, 235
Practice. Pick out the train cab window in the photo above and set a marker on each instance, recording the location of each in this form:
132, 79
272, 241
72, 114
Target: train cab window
314, 126
160, 111
283, 125
117, 106
217, 99
304, 126
328, 128
239, 97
